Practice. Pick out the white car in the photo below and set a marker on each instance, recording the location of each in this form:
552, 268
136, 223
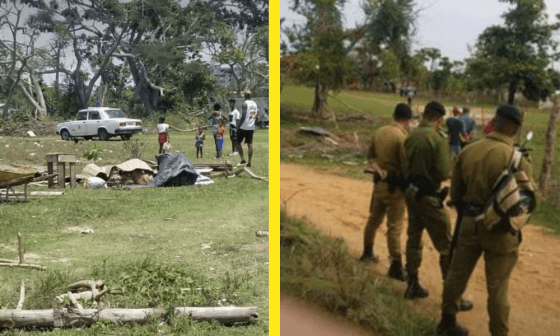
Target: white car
102, 122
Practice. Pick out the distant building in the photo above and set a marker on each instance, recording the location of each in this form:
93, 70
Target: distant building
224, 74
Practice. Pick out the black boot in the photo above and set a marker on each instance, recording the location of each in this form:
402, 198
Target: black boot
369, 256
397, 271
414, 290
466, 305
449, 327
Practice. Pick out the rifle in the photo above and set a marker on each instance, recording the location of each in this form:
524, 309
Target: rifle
459, 207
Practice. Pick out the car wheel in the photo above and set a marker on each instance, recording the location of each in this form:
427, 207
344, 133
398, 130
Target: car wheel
103, 134
65, 135
126, 136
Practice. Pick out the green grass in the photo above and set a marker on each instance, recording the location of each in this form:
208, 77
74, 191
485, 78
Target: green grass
296, 102
154, 236
319, 269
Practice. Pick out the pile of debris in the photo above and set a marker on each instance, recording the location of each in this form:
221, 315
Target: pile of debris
39, 128
326, 142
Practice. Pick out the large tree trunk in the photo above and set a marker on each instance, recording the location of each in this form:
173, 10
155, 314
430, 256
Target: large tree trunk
320, 105
511, 92
149, 96
549, 141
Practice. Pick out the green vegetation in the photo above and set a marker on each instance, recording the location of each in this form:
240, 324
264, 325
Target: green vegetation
319, 269
148, 242
296, 102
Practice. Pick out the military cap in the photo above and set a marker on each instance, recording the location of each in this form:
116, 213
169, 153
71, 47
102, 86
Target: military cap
510, 113
402, 111
435, 109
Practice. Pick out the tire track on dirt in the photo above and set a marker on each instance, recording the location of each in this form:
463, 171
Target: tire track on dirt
534, 291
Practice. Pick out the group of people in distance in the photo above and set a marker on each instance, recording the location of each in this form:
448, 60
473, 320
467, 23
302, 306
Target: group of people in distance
241, 127
410, 166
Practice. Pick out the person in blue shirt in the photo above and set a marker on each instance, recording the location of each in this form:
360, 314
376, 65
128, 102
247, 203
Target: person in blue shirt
455, 130
469, 122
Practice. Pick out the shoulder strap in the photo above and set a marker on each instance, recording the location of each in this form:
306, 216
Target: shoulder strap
515, 160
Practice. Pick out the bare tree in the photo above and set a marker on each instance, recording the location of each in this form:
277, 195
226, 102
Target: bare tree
16, 50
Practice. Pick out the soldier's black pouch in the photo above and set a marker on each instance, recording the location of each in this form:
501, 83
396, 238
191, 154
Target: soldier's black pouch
392, 182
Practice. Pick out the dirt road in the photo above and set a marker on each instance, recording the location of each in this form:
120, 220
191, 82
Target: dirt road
301, 319
339, 206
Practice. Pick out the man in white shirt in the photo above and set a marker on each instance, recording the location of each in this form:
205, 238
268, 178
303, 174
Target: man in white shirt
233, 117
246, 126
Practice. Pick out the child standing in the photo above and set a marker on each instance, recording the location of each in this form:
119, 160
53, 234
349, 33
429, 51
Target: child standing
163, 133
222, 133
200, 137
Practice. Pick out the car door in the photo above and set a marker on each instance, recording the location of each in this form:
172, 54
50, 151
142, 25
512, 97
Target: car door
79, 125
94, 119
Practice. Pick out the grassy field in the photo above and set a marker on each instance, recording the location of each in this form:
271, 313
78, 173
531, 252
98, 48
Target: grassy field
148, 242
296, 102
319, 269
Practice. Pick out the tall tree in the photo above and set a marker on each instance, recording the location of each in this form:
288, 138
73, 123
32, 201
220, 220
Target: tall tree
242, 13
16, 49
390, 27
321, 60
517, 54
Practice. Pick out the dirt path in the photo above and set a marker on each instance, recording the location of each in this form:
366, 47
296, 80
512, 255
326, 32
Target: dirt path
339, 206
298, 318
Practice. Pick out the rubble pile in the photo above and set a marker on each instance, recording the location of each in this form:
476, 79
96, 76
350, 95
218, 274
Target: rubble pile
40, 128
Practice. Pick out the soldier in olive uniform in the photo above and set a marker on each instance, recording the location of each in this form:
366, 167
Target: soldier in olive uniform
477, 170
388, 159
429, 164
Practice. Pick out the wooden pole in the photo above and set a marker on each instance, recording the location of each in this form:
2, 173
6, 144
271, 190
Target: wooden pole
20, 249
21, 295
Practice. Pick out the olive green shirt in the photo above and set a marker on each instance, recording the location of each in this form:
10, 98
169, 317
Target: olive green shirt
428, 155
480, 164
387, 148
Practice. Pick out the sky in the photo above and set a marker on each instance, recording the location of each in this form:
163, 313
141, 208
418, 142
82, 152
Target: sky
449, 25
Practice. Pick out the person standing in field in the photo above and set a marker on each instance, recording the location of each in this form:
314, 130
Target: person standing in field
233, 117
428, 165
470, 124
215, 118
478, 168
199, 141
455, 131
163, 133
388, 159
246, 126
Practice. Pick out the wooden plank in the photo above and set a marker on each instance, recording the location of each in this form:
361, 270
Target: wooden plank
61, 169
50, 171
66, 158
52, 158
73, 183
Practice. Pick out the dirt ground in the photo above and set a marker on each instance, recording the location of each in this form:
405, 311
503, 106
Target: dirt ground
301, 319
339, 206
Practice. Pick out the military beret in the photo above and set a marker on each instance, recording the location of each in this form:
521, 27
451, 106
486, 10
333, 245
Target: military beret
510, 113
402, 111
434, 108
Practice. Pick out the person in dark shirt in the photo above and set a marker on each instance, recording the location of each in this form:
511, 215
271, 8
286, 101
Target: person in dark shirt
470, 123
456, 129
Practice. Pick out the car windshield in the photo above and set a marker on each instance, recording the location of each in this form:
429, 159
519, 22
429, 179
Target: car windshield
113, 114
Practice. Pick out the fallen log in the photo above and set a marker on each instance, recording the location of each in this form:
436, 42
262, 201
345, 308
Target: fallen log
71, 317
17, 264
253, 175
214, 165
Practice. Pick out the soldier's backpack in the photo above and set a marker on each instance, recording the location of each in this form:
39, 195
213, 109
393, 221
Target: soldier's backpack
512, 200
